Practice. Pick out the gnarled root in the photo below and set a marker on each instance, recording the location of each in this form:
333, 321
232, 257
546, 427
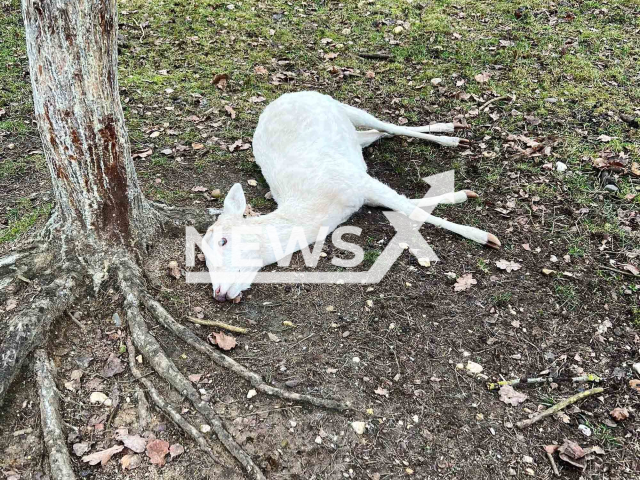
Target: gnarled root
172, 217
28, 329
166, 320
129, 277
54, 439
165, 406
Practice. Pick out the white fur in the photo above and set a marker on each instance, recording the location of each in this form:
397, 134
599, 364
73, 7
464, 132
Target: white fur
311, 155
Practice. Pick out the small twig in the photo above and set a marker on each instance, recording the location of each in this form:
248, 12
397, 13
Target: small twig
622, 272
375, 56
559, 406
589, 377
553, 463
504, 97
73, 319
215, 323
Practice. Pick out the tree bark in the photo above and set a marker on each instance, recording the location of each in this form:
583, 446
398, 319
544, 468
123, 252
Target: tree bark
72, 50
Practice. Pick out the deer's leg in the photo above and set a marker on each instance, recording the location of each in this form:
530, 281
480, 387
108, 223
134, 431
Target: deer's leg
448, 198
360, 118
368, 137
379, 194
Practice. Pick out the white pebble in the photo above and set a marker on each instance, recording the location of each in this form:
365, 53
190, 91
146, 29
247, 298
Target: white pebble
251, 393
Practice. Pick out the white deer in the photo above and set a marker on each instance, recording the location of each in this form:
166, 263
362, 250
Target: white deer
310, 154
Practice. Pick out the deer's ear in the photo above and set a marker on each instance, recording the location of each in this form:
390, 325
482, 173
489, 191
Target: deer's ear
235, 203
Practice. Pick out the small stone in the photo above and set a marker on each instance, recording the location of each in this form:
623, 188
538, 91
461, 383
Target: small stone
139, 358
330, 308
215, 193
479, 417
474, 367
358, 427
527, 459
398, 29
251, 393
318, 440
611, 188
116, 320
98, 397
424, 262
355, 359
585, 430
512, 472
561, 167
636, 367
530, 472
205, 428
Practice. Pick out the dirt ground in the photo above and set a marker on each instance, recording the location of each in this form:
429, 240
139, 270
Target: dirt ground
393, 349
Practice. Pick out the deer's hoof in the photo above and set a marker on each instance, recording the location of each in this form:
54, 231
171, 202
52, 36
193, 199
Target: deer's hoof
493, 242
471, 194
463, 142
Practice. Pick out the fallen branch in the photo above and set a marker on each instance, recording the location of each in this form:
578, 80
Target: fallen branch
530, 381
497, 99
549, 452
215, 323
129, 277
622, 272
165, 406
559, 406
166, 320
375, 56
54, 439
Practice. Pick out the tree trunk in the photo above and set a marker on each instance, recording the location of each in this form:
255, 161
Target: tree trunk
72, 50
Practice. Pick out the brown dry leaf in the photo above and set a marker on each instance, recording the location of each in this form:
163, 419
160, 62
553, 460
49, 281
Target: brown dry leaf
635, 384
510, 396
175, 450
464, 282
482, 77
129, 462
370, 74
235, 145
551, 449
635, 168
260, 70
195, 378
503, 264
113, 366
330, 56
133, 442
220, 80
157, 450
199, 188
631, 268
608, 160
526, 247
381, 391
143, 154
224, 341
81, 448
630, 196
103, 456
619, 414
197, 146
230, 111
258, 99
572, 453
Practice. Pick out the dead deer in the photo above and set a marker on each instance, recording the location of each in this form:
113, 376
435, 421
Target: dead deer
310, 154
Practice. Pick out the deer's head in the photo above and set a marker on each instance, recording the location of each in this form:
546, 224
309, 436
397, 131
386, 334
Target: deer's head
234, 249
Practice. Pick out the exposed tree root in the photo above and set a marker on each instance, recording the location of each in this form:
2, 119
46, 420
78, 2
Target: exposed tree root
166, 320
27, 330
166, 407
54, 439
129, 276
171, 216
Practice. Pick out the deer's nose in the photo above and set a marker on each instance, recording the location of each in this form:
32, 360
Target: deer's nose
217, 291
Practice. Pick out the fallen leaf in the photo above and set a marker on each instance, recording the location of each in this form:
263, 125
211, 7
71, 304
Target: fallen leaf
252, 182
235, 145
197, 146
102, 456
273, 337
526, 247
619, 414
503, 264
229, 109
157, 450
81, 448
143, 154
195, 378
473, 367
129, 462
225, 342
551, 449
133, 442
199, 188
531, 120
381, 391
548, 271
631, 268
370, 74
635, 384
572, 453
510, 396
98, 398
464, 282
174, 270
436, 81
113, 366
175, 450
635, 168
251, 393
220, 80
605, 138
259, 99
482, 77
260, 70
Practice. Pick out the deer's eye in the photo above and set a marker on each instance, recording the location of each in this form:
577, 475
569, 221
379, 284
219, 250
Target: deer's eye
222, 242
